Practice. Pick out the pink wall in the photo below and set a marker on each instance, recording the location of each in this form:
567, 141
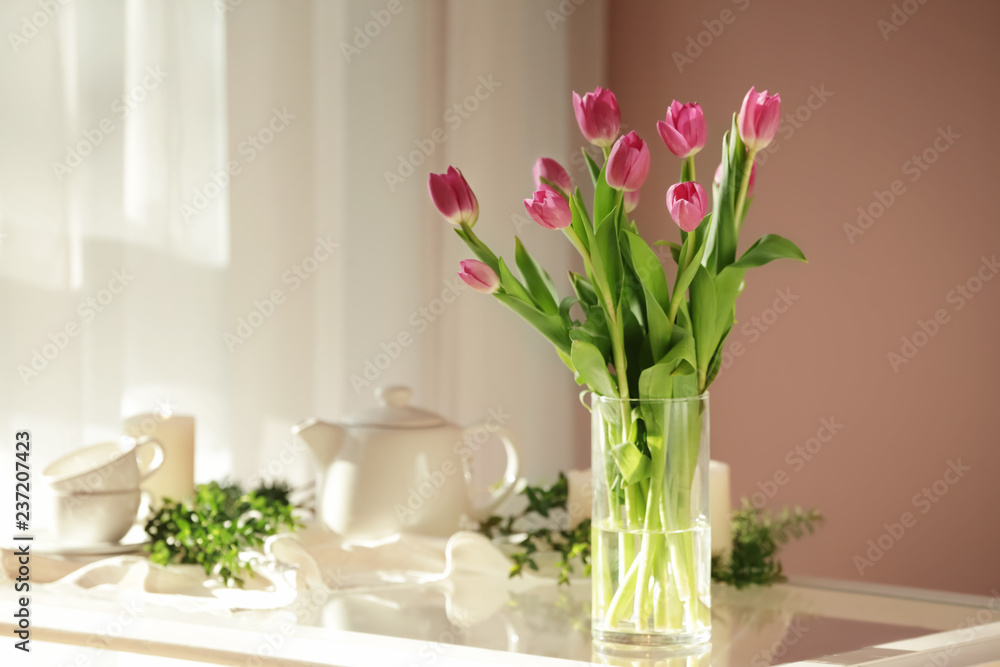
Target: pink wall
825, 357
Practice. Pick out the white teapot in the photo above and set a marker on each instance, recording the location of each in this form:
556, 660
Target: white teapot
398, 468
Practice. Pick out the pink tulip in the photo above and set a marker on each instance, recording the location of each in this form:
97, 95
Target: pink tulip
552, 171
479, 276
759, 118
598, 116
628, 163
549, 209
453, 197
631, 200
684, 131
687, 203
753, 178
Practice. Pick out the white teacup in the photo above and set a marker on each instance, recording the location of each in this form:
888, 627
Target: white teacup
96, 517
104, 467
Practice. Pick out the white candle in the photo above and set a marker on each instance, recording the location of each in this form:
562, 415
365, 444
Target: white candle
175, 433
720, 509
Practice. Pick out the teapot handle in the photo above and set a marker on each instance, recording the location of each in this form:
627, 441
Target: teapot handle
510, 475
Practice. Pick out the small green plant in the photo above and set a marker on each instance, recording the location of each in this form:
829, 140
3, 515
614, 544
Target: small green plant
219, 522
757, 537
545, 505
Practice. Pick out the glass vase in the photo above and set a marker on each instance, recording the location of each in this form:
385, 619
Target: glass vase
651, 545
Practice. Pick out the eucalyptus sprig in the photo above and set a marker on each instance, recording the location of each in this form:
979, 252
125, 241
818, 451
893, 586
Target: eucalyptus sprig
216, 525
757, 537
544, 525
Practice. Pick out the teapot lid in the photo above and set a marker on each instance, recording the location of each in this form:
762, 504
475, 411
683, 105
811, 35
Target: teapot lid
395, 411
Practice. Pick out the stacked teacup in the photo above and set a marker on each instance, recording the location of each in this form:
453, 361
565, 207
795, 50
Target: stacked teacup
97, 495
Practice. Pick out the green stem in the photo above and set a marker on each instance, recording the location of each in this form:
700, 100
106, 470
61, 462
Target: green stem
687, 169
485, 253
744, 187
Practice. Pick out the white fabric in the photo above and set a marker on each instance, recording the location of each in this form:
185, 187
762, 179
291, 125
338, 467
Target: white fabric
467, 568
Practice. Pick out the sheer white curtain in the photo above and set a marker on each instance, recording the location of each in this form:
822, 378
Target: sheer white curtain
270, 269
110, 300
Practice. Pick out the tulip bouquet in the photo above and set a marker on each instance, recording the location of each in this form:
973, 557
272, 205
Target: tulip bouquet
647, 351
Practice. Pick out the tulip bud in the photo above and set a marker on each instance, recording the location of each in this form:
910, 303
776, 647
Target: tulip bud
631, 200
553, 172
479, 276
598, 116
684, 131
453, 197
759, 118
687, 204
549, 209
628, 163
753, 178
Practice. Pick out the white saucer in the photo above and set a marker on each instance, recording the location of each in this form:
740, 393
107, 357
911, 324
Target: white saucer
47, 544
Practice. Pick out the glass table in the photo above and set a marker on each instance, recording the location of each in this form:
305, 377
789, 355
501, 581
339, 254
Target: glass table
476, 620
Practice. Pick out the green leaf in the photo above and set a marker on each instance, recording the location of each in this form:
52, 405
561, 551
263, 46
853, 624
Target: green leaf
703, 317
649, 269
592, 368
681, 358
607, 255
580, 224
675, 249
659, 325
715, 365
595, 171
583, 289
728, 285
550, 326
513, 286
767, 249
633, 465
604, 197
538, 282
721, 236
564, 307
685, 277
482, 253
655, 382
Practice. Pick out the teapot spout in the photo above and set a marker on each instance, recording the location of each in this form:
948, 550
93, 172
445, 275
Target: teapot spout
323, 438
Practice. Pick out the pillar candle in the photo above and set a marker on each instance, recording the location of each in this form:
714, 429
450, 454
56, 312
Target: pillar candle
720, 509
175, 433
